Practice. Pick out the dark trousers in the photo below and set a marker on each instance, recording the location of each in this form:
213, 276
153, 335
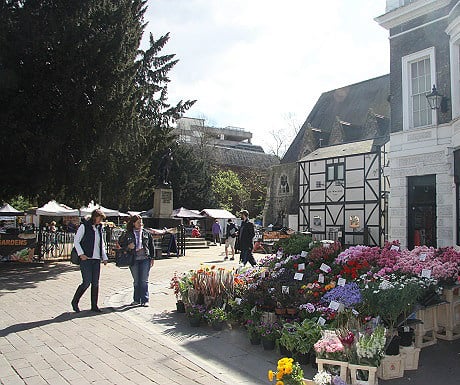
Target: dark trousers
246, 256
90, 271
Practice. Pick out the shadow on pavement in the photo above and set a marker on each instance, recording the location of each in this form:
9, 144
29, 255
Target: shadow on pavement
64, 317
16, 276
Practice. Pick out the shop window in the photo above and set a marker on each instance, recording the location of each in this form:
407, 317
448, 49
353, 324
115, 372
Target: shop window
284, 185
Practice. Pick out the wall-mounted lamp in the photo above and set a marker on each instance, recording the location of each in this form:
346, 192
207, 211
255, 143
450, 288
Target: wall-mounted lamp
437, 101
434, 99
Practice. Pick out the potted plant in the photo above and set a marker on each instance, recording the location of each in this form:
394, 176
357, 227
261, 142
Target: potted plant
216, 317
288, 372
195, 314
175, 284
269, 333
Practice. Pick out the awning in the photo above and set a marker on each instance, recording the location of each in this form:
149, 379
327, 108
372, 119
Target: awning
217, 213
8, 210
93, 206
182, 212
54, 209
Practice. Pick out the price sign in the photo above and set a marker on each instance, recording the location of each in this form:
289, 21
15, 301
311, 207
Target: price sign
321, 278
341, 281
301, 267
298, 276
325, 268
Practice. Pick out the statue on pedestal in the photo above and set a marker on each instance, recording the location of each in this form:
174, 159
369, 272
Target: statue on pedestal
164, 168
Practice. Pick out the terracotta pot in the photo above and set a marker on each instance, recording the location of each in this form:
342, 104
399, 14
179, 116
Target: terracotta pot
280, 311
291, 310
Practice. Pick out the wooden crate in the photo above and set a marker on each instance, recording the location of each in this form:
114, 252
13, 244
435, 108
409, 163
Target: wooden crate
372, 378
448, 315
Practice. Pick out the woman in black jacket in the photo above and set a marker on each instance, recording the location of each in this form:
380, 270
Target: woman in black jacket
140, 241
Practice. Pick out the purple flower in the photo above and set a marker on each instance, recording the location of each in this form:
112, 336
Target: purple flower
348, 295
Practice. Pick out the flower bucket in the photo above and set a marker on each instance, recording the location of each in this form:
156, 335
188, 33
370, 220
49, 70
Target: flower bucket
339, 368
268, 317
268, 344
407, 336
194, 321
217, 325
255, 339
391, 367
410, 355
180, 307
371, 374
302, 358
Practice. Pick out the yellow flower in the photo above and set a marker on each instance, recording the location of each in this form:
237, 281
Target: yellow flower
270, 375
279, 383
279, 375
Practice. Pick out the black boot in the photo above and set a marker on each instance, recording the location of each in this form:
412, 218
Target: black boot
94, 295
76, 298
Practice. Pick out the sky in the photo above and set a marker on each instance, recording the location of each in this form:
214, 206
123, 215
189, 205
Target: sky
262, 65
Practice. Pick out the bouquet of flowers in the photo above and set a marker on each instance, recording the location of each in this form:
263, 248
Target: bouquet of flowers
370, 347
348, 295
329, 346
324, 378
288, 373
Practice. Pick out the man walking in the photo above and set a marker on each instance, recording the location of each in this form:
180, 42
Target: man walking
230, 239
246, 235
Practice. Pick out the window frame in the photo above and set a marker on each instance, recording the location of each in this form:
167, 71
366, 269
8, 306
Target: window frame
407, 61
335, 176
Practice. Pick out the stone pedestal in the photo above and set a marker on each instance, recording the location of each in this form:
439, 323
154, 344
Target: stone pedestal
162, 202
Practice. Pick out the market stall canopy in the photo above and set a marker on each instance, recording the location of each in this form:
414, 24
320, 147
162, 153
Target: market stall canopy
217, 213
54, 209
182, 212
8, 210
94, 206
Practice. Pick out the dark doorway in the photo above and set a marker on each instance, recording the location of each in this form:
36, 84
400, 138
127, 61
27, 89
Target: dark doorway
422, 211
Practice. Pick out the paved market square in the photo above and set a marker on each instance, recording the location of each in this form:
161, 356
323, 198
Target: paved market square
42, 341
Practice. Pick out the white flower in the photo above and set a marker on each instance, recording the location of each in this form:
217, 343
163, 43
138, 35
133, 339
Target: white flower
322, 378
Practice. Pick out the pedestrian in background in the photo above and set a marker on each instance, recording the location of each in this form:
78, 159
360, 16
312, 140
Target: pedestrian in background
230, 239
216, 231
90, 247
246, 235
139, 240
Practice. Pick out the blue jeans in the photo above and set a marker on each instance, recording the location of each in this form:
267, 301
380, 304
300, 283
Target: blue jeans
140, 272
90, 272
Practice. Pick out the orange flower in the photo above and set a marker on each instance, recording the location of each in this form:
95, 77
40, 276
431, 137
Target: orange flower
270, 375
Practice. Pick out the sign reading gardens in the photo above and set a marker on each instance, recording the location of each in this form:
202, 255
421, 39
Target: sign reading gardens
17, 247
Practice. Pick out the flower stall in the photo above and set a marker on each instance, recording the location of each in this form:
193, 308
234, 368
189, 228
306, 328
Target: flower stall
359, 313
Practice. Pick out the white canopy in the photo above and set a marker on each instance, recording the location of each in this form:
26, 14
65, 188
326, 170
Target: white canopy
9, 210
182, 212
217, 213
94, 206
54, 209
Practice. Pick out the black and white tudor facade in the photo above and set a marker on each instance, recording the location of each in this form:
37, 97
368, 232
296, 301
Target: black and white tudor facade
343, 192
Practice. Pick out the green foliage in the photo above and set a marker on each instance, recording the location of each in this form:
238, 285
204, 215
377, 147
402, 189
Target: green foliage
20, 203
81, 104
229, 191
295, 244
300, 337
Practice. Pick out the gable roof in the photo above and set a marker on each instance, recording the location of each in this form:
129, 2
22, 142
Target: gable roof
349, 107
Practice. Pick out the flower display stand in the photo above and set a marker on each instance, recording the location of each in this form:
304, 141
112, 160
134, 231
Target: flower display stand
343, 366
391, 367
448, 315
425, 332
410, 355
371, 379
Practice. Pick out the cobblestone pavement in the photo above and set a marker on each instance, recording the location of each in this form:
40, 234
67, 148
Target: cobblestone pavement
43, 342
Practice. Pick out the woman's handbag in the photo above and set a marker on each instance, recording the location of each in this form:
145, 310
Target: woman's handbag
74, 258
124, 258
